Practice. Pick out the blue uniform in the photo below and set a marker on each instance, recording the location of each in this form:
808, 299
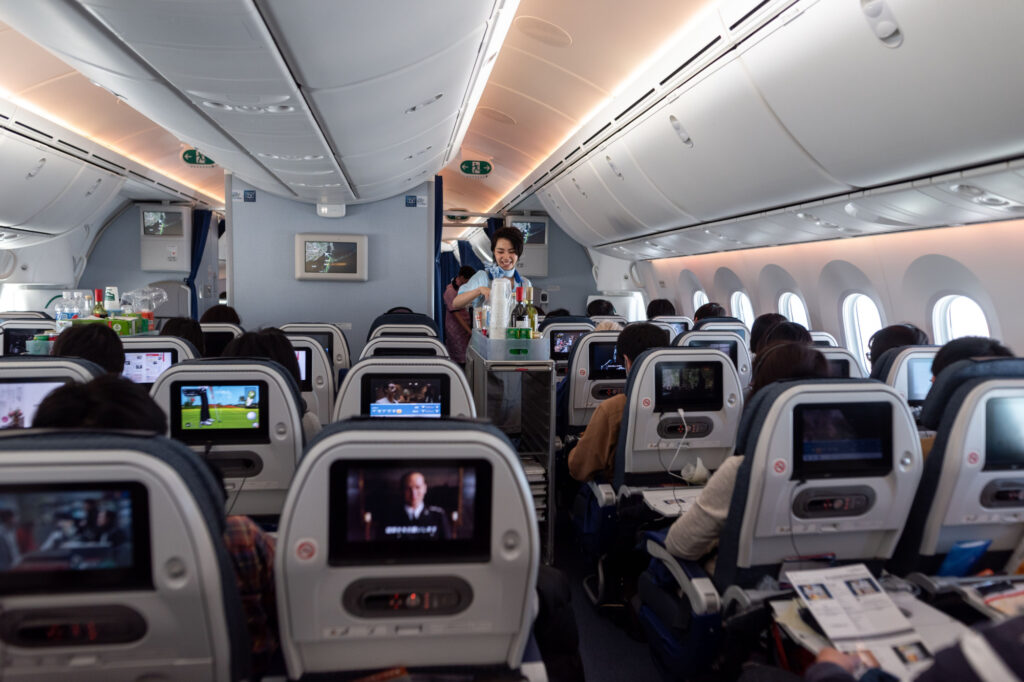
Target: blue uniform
483, 278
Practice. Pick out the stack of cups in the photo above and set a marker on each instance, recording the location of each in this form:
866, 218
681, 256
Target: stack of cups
501, 292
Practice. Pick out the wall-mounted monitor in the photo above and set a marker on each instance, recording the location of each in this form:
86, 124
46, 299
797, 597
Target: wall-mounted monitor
331, 256
534, 261
165, 237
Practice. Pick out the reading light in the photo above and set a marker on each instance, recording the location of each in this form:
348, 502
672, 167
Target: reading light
330, 210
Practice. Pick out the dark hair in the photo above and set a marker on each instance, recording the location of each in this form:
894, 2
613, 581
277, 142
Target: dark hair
785, 332
660, 306
96, 342
406, 476
638, 337
968, 347
398, 309
513, 234
760, 327
465, 272
269, 343
895, 336
599, 307
221, 313
708, 310
557, 312
106, 402
787, 361
185, 328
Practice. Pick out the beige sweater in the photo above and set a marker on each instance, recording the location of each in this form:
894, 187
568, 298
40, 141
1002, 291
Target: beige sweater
696, 532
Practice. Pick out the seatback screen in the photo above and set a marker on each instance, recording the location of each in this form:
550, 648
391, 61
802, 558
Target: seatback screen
678, 328
220, 412
16, 339
322, 338
689, 386
74, 537
405, 395
216, 342
839, 368
605, 362
20, 398
919, 379
842, 440
563, 342
730, 348
416, 511
1004, 434
304, 357
143, 367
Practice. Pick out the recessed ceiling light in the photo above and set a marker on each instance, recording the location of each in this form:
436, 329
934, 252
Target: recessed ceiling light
543, 31
969, 190
495, 115
291, 157
278, 108
217, 105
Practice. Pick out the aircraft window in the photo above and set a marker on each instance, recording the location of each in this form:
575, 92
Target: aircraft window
861, 319
741, 308
792, 306
699, 299
955, 316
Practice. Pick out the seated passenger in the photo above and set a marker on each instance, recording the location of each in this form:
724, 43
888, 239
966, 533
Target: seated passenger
595, 451
185, 328
895, 336
761, 325
399, 310
221, 313
695, 533
95, 342
785, 332
708, 310
659, 307
557, 312
968, 347
608, 326
111, 402
272, 344
599, 307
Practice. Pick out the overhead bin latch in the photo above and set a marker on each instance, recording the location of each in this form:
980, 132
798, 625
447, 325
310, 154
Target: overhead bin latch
882, 22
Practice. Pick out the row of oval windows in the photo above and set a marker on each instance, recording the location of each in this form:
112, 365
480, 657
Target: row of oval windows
952, 317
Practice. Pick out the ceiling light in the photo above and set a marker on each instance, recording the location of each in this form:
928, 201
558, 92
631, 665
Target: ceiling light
217, 105
543, 31
279, 108
496, 115
969, 190
291, 157
992, 200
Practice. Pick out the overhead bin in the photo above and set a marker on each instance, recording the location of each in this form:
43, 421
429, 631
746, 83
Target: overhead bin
571, 223
89, 190
885, 90
584, 192
31, 175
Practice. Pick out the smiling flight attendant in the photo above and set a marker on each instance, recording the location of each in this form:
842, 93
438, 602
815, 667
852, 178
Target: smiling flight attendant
506, 247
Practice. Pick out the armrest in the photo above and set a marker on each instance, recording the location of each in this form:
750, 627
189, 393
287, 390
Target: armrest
693, 581
603, 493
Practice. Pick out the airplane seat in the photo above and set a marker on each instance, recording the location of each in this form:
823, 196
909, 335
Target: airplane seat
25, 315
618, 319
823, 340
596, 373
328, 335
842, 363
567, 319
972, 488
725, 341
680, 324
146, 357
404, 346
159, 599
217, 335
784, 503
402, 324
733, 324
908, 369
244, 415
316, 377
16, 334
361, 586
562, 336
26, 379
404, 387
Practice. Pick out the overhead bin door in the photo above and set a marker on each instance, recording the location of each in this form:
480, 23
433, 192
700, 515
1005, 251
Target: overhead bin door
31, 175
595, 205
555, 204
717, 151
945, 91
90, 189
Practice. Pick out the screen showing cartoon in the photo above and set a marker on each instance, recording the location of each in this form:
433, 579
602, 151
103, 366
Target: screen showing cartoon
20, 398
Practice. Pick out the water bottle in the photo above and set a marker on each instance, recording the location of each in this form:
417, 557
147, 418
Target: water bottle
64, 311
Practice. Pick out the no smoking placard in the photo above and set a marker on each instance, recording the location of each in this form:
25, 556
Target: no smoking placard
305, 549
779, 466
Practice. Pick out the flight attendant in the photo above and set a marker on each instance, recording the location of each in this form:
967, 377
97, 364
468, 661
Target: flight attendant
507, 248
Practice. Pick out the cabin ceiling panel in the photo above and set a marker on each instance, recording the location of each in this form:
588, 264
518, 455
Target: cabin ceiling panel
23, 65
90, 105
545, 84
536, 127
388, 163
422, 171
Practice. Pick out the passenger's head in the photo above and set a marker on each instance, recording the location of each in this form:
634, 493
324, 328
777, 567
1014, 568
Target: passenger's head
557, 312
221, 313
659, 307
787, 361
968, 347
269, 343
507, 247
600, 307
638, 337
95, 342
760, 327
607, 326
107, 402
398, 309
414, 488
708, 310
185, 328
895, 336
785, 332
465, 272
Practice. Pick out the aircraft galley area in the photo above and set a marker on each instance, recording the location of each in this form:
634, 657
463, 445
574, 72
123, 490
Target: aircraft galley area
511, 340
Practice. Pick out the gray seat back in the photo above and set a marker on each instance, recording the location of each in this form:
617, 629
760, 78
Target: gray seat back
729, 342
316, 376
404, 346
596, 373
329, 335
146, 357
842, 363
14, 334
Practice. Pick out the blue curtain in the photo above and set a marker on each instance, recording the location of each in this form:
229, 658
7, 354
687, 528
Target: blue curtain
200, 231
492, 225
468, 256
439, 282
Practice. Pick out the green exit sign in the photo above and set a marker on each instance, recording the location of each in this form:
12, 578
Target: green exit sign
194, 157
475, 167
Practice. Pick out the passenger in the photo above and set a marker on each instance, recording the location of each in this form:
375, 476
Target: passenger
272, 344
695, 534
608, 326
659, 307
507, 248
968, 347
185, 328
399, 310
95, 342
760, 327
785, 332
708, 310
895, 336
599, 307
111, 402
457, 324
221, 313
595, 451
557, 312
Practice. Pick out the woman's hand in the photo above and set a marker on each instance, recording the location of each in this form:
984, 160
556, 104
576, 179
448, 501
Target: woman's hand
848, 662
485, 292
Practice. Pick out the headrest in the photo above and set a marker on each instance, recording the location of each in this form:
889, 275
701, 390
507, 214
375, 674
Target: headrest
289, 380
708, 320
53, 361
402, 318
883, 363
569, 319
132, 342
957, 374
